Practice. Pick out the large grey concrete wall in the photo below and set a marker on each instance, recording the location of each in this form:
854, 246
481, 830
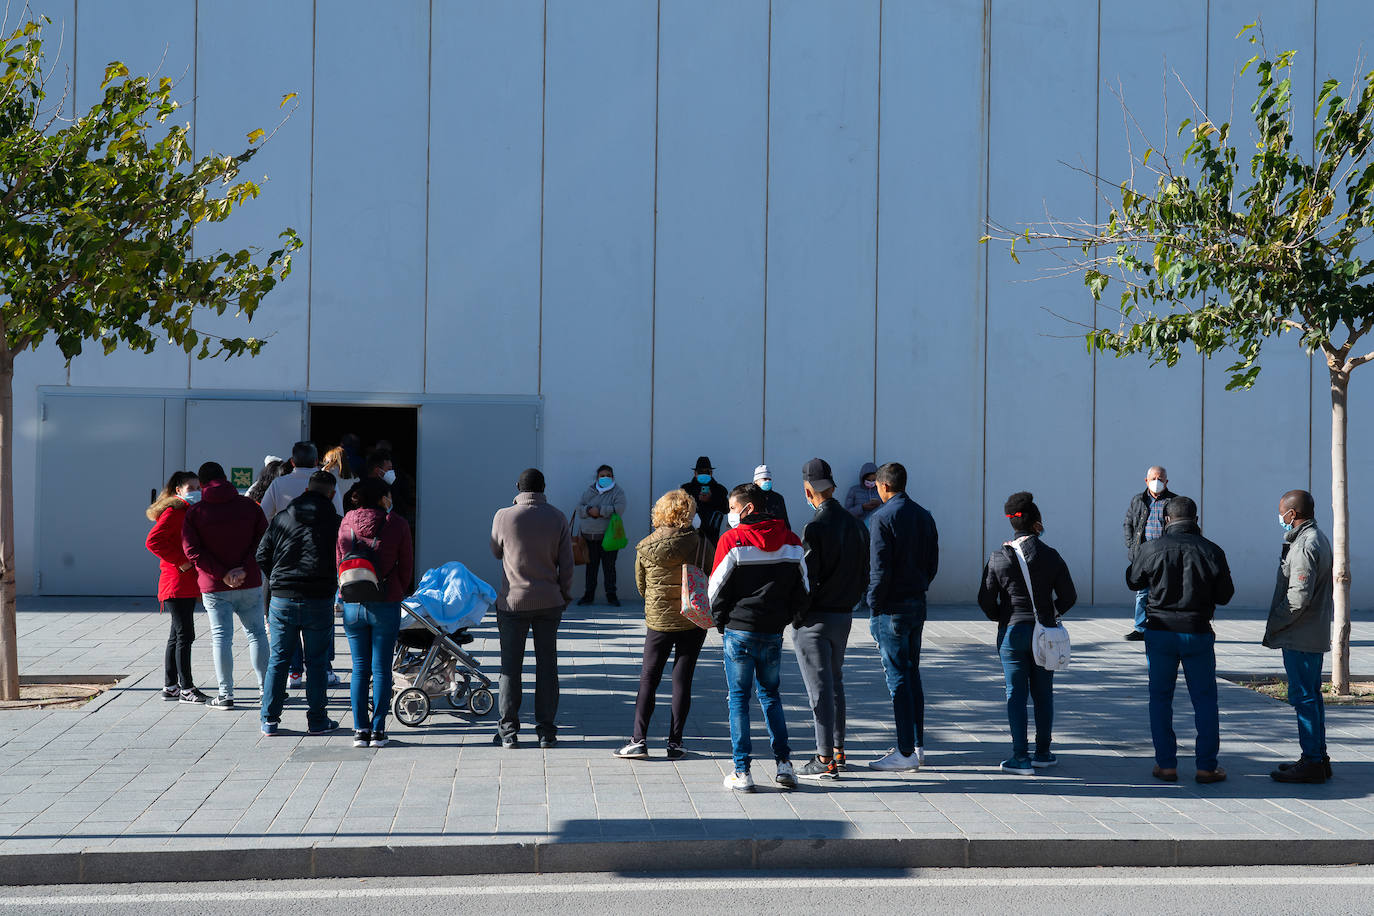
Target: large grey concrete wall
742, 228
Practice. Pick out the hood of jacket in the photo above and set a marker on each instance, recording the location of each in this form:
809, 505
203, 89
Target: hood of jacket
162, 505
367, 523
764, 532
217, 491
669, 546
868, 468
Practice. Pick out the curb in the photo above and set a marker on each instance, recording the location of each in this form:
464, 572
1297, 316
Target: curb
696, 855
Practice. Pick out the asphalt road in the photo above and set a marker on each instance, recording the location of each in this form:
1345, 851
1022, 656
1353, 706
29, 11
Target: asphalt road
1064, 892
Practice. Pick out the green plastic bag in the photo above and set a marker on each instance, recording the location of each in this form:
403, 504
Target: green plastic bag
614, 538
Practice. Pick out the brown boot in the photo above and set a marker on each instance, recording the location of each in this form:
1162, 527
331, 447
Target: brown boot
1169, 775
1206, 776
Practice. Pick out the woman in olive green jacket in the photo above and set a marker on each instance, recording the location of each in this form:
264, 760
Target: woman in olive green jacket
658, 576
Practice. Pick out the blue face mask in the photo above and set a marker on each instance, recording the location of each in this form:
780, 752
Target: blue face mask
1286, 526
703, 479
765, 484
605, 482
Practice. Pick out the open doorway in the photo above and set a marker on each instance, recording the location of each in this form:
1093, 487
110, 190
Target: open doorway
396, 427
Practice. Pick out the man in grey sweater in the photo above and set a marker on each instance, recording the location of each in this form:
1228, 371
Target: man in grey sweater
1300, 625
532, 540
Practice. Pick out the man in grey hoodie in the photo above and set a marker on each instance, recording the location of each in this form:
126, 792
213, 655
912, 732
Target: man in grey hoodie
1300, 625
534, 544
862, 498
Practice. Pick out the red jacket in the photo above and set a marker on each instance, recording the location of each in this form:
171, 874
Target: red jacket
395, 554
221, 533
165, 543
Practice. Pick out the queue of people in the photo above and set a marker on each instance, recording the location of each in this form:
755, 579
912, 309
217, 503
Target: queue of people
735, 555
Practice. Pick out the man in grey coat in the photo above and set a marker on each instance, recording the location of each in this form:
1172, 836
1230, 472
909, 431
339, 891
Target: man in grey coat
532, 540
1300, 625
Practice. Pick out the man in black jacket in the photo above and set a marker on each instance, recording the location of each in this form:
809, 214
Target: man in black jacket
1144, 522
904, 556
297, 557
835, 548
1186, 577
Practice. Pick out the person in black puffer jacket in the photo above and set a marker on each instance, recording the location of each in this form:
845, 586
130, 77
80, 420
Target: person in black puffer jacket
297, 555
1004, 598
1187, 577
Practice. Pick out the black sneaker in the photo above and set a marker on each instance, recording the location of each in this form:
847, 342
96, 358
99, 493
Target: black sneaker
379, 739
221, 703
362, 738
1135, 636
171, 694
635, 750
509, 742
193, 696
583, 601
613, 601
547, 741
1326, 763
815, 768
676, 751
328, 726
1306, 771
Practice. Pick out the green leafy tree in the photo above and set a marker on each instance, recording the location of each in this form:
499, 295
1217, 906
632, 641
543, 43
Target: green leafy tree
1209, 258
97, 213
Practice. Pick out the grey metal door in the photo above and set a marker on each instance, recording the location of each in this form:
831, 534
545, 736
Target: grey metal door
98, 460
470, 455
239, 434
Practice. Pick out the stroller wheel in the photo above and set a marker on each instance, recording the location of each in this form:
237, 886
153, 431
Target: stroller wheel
480, 701
411, 707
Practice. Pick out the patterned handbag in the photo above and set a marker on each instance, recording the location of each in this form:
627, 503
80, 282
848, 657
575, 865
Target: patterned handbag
696, 607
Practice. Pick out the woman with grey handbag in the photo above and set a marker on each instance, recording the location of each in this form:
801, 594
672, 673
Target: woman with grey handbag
600, 501
1026, 582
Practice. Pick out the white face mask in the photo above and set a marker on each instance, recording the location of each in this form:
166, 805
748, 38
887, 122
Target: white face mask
389, 477
1156, 486
733, 519
193, 497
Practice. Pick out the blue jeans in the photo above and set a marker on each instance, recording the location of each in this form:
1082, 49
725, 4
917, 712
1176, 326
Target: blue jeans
1141, 600
371, 630
222, 608
1305, 693
298, 656
1025, 678
754, 660
899, 645
1164, 652
294, 620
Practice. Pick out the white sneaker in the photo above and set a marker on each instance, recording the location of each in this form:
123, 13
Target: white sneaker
896, 760
740, 782
787, 776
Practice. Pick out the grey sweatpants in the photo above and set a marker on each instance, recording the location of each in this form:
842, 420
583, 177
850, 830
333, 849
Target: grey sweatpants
820, 649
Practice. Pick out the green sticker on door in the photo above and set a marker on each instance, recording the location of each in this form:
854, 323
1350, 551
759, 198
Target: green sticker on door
241, 478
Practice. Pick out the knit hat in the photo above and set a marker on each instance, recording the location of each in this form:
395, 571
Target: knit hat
762, 473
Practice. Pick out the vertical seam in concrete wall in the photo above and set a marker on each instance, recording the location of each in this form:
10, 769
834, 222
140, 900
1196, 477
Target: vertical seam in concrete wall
1092, 423
429, 139
310, 219
543, 134
767, 189
195, 123
76, 33
1202, 379
1311, 360
877, 221
987, 215
653, 261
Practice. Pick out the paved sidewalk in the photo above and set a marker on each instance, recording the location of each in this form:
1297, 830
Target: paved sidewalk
134, 774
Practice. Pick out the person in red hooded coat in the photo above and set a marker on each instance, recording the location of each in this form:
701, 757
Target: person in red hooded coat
177, 588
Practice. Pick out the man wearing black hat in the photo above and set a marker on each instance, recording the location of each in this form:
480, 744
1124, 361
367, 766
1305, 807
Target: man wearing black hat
704, 488
835, 550
1187, 576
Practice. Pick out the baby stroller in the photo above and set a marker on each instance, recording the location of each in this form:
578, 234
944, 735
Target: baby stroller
431, 671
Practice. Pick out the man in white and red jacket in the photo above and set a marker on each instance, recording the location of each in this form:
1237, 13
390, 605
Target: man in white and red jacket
758, 586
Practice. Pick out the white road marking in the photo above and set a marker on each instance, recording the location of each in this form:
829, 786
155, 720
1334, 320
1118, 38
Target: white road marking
688, 886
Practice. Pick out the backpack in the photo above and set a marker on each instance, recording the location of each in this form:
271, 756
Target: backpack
358, 579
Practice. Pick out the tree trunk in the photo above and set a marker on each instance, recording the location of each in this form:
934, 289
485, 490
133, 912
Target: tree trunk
1340, 534
9, 635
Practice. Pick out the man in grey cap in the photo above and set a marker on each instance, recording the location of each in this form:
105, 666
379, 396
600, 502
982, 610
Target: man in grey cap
835, 551
773, 503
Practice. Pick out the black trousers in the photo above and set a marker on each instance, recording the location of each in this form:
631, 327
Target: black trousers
513, 629
658, 645
596, 556
177, 660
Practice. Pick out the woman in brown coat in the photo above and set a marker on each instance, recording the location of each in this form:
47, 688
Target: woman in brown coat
658, 576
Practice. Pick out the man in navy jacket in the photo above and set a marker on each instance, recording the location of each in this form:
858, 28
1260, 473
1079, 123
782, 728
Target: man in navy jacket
904, 555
